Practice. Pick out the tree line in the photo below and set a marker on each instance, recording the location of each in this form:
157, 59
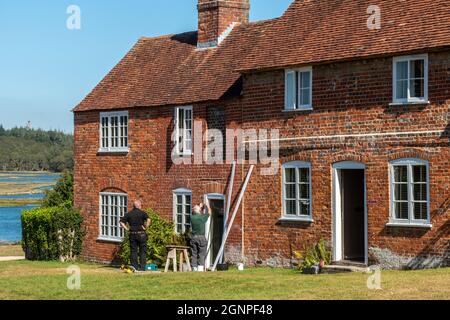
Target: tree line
25, 149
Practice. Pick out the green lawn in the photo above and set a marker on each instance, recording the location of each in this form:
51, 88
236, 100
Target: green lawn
47, 280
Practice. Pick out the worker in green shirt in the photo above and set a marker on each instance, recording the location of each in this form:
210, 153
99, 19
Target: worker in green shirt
199, 244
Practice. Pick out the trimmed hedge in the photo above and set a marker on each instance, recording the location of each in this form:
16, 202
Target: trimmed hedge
52, 233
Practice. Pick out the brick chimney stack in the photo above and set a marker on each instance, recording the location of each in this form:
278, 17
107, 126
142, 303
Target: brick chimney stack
216, 19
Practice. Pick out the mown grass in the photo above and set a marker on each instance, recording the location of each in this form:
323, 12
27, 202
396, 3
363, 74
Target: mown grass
11, 251
47, 280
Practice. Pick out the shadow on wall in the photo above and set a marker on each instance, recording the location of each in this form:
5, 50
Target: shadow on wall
434, 255
425, 260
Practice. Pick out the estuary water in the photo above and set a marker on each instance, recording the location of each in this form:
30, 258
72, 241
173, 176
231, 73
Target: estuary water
10, 224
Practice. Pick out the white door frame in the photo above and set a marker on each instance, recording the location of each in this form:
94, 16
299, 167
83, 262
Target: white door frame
208, 234
337, 208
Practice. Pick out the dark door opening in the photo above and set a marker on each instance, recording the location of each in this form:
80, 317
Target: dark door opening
353, 196
217, 226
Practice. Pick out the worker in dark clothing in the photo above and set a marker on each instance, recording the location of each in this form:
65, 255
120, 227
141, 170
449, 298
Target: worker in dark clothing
198, 241
137, 222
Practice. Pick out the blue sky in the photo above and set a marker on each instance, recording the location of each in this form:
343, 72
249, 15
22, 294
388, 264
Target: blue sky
46, 69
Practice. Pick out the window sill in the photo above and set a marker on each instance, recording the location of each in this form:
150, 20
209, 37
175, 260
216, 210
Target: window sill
111, 240
296, 219
410, 103
184, 155
113, 151
298, 110
409, 225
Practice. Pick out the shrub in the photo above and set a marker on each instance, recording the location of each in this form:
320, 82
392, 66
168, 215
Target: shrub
160, 234
313, 255
62, 194
52, 233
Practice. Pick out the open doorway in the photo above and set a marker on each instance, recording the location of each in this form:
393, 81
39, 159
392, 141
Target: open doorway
215, 227
350, 217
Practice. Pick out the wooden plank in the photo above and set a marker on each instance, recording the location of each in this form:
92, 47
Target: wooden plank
186, 256
236, 208
228, 204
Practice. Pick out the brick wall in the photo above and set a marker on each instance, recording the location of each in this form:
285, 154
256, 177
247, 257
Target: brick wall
147, 171
348, 98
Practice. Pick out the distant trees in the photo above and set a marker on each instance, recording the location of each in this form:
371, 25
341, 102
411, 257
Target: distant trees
24, 149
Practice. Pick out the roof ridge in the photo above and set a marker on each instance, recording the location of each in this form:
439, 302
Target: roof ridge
166, 36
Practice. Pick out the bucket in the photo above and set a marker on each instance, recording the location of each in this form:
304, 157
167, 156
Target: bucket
240, 266
151, 267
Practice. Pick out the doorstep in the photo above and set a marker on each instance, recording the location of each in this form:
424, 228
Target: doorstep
344, 269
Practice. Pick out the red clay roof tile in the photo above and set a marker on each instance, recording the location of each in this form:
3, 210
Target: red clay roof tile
170, 70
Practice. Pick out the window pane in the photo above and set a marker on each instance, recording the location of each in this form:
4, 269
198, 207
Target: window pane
179, 208
401, 173
401, 210
291, 191
290, 90
420, 173
417, 69
401, 192
179, 228
179, 218
420, 211
420, 192
417, 87
188, 199
305, 79
304, 191
188, 115
304, 208
304, 175
402, 89
290, 174
305, 97
188, 219
181, 119
402, 70
291, 207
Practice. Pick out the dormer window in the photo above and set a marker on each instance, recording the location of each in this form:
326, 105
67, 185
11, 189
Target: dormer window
298, 95
114, 131
410, 79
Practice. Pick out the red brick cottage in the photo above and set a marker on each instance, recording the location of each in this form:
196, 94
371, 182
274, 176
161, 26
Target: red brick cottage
359, 92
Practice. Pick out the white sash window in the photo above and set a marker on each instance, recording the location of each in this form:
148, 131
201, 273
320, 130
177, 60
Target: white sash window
114, 131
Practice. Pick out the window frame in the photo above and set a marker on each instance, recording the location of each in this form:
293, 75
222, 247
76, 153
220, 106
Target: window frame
409, 99
109, 148
181, 192
297, 89
411, 221
185, 152
120, 230
298, 217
